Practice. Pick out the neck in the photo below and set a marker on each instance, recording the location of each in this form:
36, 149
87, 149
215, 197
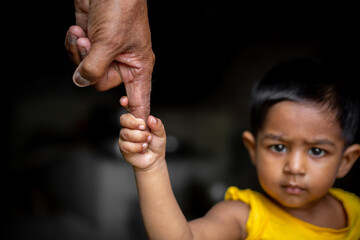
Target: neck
318, 214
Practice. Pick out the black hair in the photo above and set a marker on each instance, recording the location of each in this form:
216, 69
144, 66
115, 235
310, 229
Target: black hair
306, 80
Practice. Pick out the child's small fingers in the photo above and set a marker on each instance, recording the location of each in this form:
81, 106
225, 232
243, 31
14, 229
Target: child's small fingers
131, 147
135, 135
128, 120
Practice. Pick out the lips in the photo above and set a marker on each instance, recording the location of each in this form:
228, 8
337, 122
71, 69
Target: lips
293, 189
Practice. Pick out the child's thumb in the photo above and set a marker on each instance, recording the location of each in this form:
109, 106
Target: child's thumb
156, 126
93, 68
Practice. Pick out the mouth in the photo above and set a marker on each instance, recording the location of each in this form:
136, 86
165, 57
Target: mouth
293, 189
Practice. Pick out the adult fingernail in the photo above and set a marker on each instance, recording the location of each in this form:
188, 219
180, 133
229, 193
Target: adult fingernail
79, 80
72, 39
82, 52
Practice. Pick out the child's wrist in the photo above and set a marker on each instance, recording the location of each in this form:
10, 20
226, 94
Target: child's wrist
154, 167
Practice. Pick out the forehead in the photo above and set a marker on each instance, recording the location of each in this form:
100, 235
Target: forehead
305, 120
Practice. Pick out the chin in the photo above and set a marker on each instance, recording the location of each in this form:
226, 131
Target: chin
288, 201
291, 204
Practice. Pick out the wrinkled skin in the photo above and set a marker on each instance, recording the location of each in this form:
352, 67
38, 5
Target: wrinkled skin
111, 44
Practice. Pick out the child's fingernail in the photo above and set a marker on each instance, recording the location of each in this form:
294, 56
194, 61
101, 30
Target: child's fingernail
153, 120
144, 145
142, 127
79, 80
149, 138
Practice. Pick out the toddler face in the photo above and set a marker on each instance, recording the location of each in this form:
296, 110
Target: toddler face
298, 152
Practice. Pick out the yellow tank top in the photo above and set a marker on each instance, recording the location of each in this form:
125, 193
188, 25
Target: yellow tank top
268, 221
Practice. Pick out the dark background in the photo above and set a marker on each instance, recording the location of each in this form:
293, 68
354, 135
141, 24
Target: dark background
66, 178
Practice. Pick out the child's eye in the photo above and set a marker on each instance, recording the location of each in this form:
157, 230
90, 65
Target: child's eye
316, 152
278, 148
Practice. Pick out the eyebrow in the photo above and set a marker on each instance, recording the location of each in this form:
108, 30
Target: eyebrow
284, 139
321, 142
274, 137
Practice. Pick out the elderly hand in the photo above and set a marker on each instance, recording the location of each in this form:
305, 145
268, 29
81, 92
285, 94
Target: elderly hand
111, 44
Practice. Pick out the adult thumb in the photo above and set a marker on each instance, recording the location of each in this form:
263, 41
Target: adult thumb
93, 68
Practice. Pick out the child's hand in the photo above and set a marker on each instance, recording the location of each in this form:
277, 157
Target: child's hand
143, 149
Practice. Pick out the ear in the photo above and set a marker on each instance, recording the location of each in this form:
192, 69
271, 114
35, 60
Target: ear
350, 155
250, 144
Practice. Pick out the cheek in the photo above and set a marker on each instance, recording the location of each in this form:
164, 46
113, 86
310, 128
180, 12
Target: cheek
269, 180
321, 177
268, 171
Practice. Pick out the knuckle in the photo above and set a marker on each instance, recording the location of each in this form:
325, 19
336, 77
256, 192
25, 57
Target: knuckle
144, 137
124, 135
152, 57
100, 88
121, 145
123, 118
125, 147
89, 70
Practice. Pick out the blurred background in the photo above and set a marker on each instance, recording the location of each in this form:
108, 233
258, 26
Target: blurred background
65, 177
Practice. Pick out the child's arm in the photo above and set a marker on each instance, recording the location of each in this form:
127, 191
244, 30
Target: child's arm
163, 218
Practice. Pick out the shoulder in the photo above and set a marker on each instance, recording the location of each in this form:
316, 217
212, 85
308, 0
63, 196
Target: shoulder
228, 209
244, 195
345, 197
225, 220
351, 204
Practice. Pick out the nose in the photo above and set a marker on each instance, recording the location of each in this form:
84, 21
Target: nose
295, 163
